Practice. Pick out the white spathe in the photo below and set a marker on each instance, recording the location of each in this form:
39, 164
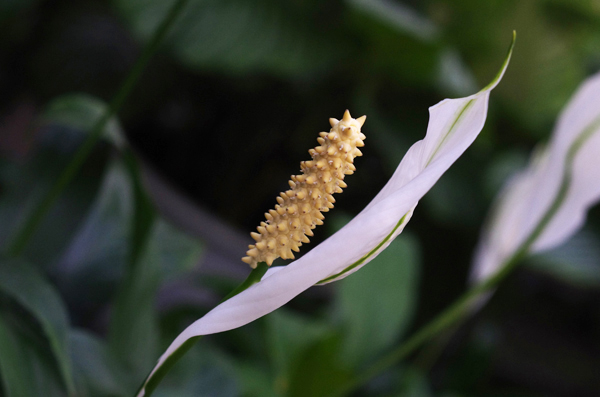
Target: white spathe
453, 126
569, 163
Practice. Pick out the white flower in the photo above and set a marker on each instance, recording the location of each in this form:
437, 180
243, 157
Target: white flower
546, 203
453, 126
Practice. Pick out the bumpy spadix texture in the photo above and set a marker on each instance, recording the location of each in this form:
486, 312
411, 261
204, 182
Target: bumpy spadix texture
299, 210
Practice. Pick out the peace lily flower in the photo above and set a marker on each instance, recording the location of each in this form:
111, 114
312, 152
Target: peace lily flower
545, 204
453, 126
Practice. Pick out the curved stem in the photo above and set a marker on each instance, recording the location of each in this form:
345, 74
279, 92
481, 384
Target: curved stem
24, 234
463, 305
451, 316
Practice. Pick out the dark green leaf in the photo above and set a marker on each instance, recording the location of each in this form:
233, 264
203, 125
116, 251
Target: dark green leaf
320, 370
401, 43
234, 36
28, 368
378, 302
97, 373
134, 324
398, 17
157, 252
25, 184
152, 382
415, 384
134, 333
90, 268
16, 370
289, 335
255, 380
203, 371
81, 112
23, 283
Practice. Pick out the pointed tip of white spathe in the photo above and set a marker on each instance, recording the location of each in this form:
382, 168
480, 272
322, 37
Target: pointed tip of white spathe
500, 74
491, 85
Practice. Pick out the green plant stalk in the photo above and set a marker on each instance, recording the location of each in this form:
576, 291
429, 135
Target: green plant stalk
444, 320
24, 234
462, 306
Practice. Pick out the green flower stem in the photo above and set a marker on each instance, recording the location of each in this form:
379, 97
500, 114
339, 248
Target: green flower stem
153, 380
449, 317
19, 242
254, 277
463, 306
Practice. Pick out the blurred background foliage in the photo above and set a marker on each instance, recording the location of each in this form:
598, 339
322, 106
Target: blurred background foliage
139, 245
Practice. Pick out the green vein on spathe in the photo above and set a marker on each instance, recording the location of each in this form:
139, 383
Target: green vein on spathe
367, 256
468, 104
583, 137
561, 195
451, 129
389, 236
504, 64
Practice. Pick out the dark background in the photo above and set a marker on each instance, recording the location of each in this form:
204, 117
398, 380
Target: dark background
229, 106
